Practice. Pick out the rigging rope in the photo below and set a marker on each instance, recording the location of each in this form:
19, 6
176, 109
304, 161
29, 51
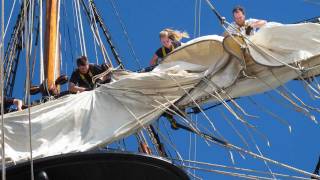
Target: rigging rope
259, 151
195, 141
41, 42
195, 19
199, 18
28, 41
9, 19
240, 169
66, 18
78, 26
125, 32
96, 33
106, 33
94, 29
266, 110
3, 165
230, 146
221, 18
194, 101
245, 176
235, 129
81, 28
58, 41
75, 32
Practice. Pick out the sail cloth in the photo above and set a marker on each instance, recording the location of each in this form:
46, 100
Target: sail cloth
222, 68
83, 121
132, 100
285, 43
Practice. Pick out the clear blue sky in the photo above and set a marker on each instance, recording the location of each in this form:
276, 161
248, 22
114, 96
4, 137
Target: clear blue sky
144, 19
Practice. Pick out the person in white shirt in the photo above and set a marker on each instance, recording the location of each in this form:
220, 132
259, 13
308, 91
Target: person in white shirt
241, 25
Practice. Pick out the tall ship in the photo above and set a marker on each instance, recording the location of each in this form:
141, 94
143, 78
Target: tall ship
175, 120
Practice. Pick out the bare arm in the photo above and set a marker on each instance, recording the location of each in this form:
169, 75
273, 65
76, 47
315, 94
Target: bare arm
258, 24
154, 60
74, 89
18, 103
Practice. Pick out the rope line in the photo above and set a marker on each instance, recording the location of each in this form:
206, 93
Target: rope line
125, 32
3, 165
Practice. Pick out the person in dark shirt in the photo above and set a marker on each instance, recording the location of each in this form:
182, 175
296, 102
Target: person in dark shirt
81, 78
8, 102
170, 40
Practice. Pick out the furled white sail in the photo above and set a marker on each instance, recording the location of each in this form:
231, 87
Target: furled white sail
192, 73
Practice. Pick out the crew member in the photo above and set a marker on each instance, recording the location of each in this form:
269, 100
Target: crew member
170, 40
81, 78
240, 24
8, 102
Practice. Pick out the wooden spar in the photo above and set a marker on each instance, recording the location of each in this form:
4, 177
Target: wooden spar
51, 53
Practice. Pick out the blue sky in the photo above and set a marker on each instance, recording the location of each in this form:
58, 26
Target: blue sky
144, 19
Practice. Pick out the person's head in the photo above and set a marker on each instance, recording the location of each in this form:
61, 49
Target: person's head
83, 64
239, 15
165, 40
168, 35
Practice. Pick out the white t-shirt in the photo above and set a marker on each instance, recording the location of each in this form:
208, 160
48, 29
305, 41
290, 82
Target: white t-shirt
234, 27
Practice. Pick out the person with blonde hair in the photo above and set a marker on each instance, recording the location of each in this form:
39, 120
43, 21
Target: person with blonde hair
170, 39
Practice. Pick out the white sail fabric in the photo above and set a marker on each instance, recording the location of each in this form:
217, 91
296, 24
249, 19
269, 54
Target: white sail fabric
132, 100
89, 119
285, 44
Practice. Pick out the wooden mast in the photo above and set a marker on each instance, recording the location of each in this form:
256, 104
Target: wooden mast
51, 53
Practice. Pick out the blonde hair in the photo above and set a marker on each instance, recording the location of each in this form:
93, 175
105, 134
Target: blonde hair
174, 35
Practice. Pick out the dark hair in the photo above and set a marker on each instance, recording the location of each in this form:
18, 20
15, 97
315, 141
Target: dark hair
238, 8
82, 61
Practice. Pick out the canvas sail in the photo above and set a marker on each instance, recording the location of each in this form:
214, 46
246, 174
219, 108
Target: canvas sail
132, 100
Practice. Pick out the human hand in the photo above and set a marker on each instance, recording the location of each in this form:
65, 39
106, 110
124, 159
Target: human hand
249, 29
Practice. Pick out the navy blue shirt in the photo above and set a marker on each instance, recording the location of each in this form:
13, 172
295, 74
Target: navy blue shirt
86, 79
159, 52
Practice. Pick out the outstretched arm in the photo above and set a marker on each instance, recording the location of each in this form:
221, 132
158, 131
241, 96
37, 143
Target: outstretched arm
258, 24
154, 60
74, 88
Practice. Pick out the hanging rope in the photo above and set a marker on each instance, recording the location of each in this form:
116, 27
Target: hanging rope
240, 169
195, 18
96, 34
28, 41
75, 34
9, 19
105, 31
41, 42
125, 32
58, 41
81, 27
69, 34
195, 140
266, 110
235, 129
74, 2
3, 163
199, 18
239, 175
236, 148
